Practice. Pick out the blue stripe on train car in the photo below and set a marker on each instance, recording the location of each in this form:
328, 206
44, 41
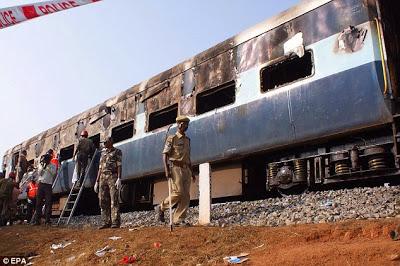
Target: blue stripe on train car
339, 103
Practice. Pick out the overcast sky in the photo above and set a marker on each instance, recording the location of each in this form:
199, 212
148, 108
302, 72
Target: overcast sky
59, 65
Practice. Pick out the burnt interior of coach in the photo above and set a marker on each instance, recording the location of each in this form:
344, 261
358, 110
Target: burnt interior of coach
217, 97
96, 140
286, 71
66, 153
391, 31
163, 117
123, 132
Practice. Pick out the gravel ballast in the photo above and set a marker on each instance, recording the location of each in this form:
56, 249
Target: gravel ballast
311, 207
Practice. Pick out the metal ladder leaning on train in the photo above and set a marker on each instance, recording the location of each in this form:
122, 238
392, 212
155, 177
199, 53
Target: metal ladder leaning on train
309, 98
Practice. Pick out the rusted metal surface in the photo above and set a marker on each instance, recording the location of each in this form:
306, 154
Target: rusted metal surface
215, 72
166, 94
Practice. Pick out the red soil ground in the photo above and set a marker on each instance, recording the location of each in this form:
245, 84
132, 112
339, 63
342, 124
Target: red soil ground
345, 243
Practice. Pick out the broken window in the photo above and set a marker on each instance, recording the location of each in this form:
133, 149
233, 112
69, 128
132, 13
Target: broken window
163, 117
122, 132
66, 153
216, 97
96, 140
287, 71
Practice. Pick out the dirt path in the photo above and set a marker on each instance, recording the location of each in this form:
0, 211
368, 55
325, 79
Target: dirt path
346, 243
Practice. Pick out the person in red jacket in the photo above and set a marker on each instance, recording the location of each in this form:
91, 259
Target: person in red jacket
31, 191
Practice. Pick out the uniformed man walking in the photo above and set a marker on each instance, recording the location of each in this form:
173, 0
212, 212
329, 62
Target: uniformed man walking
108, 183
178, 168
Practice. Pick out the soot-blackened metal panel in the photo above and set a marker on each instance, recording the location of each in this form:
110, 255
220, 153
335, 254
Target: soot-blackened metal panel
315, 25
165, 97
215, 72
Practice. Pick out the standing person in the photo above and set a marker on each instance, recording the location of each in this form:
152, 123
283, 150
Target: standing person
108, 183
4, 169
84, 152
47, 173
178, 168
22, 166
31, 191
6, 189
12, 205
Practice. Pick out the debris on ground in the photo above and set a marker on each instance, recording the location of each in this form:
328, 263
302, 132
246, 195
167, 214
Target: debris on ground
367, 243
238, 259
157, 244
61, 245
260, 246
114, 237
34, 256
103, 251
128, 260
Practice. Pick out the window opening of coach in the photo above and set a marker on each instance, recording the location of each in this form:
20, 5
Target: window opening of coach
66, 153
287, 71
96, 140
123, 132
163, 117
216, 97
15, 160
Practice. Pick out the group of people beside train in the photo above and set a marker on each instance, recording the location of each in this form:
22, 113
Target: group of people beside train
177, 166
38, 186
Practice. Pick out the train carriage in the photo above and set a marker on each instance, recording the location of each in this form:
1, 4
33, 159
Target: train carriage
307, 97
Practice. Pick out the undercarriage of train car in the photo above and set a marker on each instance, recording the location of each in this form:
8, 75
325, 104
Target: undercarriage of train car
364, 156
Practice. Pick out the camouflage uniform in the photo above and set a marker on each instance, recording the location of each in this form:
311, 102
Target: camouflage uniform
110, 160
177, 147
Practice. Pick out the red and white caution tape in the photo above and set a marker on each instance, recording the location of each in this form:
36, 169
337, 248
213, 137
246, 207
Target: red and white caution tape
14, 15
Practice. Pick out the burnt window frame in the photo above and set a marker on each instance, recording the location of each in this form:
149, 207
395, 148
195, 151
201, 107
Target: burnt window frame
213, 90
174, 106
95, 137
123, 125
281, 60
65, 148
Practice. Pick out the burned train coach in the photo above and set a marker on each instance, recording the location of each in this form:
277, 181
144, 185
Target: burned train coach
307, 97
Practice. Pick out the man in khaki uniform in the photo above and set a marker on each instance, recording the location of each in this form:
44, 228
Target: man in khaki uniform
108, 183
178, 168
